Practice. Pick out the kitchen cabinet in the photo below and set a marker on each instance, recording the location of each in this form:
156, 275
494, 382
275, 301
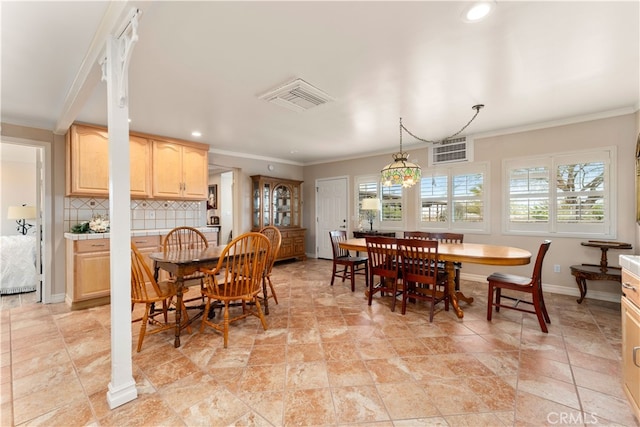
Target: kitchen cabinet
180, 171
88, 270
87, 165
278, 202
631, 340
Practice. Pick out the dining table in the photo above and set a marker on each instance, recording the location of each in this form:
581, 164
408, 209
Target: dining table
450, 253
181, 263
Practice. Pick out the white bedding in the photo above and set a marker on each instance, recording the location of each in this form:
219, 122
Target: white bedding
18, 264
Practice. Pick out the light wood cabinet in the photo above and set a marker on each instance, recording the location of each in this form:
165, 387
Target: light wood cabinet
179, 171
278, 202
631, 340
88, 273
88, 269
88, 163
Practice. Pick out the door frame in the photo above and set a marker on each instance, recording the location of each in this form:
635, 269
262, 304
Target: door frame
44, 225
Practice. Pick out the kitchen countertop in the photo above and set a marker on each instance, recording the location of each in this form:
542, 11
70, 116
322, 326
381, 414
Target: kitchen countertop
630, 263
134, 233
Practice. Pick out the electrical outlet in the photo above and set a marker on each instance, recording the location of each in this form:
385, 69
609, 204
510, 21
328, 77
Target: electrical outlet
556, 268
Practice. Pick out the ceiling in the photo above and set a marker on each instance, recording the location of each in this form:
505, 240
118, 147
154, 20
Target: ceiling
202, 66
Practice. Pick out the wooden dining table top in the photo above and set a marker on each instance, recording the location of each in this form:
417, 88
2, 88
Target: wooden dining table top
188, 256
475, 253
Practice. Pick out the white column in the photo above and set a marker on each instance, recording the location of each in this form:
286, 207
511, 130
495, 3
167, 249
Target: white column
122, 387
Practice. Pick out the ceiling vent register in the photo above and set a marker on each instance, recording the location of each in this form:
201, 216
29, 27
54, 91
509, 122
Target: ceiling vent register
297, 95
452, 150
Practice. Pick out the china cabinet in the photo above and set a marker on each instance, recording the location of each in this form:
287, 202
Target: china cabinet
278, 202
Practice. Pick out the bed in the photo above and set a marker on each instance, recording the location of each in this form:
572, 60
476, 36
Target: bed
18, 264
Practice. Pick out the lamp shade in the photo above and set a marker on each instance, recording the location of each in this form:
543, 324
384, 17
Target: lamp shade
21, 212
371, 204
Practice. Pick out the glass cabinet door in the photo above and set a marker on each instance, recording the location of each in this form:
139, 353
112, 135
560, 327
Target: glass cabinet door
282, 206
295, 203
266, 192
256, 205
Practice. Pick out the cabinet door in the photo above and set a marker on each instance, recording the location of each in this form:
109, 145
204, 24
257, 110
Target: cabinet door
89, 161
93, 277
167, 170
140, 157
282, 209
631, 353
195, 173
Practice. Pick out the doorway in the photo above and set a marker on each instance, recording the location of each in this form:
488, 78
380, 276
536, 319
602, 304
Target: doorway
228, 207
331, 212
36, 158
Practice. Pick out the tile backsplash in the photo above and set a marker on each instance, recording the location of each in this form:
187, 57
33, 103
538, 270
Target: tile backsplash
145, 214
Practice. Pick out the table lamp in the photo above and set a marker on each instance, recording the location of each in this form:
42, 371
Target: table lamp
21, 214
370, 206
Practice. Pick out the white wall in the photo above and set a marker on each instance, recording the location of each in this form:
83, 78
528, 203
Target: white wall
17, 182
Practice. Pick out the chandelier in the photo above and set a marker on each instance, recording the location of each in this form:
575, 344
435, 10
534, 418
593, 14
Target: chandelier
403, 172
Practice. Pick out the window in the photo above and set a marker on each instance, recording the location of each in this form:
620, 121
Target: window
454, 198
391, 201
568, 194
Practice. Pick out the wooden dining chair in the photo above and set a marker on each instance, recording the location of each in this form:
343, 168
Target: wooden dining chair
275, 238
531, 285
442, 238
422, 279
146, 290
237, 277
346, 266
187, 238
382, 258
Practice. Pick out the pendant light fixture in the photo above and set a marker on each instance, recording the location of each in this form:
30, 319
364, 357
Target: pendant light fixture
403, 172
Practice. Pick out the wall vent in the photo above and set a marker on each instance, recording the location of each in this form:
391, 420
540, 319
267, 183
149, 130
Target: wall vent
451, 151
296, 95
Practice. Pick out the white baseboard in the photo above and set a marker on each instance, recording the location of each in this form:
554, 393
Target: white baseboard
56, 298
562, 290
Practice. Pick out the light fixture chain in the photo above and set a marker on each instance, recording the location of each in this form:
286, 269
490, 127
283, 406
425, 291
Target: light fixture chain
475, 107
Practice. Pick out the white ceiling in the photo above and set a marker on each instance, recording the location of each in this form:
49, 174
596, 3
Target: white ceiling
201, 66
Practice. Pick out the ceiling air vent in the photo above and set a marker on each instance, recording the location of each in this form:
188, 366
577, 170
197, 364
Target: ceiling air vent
452, 150
297, 95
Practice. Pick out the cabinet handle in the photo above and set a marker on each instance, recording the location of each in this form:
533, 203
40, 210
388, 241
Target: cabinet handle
635, 353
98, 245
629, 286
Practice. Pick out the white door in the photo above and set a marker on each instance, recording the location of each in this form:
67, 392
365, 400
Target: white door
331, 213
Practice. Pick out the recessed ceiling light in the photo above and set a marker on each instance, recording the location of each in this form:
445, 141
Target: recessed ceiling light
196, 133
477, 11
129, 120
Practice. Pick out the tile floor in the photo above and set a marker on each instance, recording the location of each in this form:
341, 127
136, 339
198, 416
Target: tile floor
326, 359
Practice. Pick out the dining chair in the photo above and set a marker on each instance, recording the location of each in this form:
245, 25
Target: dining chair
442, 238
422, 279
275, 238
346, 266
531, 285
146, 290
381, 252
237, 277
187, 238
